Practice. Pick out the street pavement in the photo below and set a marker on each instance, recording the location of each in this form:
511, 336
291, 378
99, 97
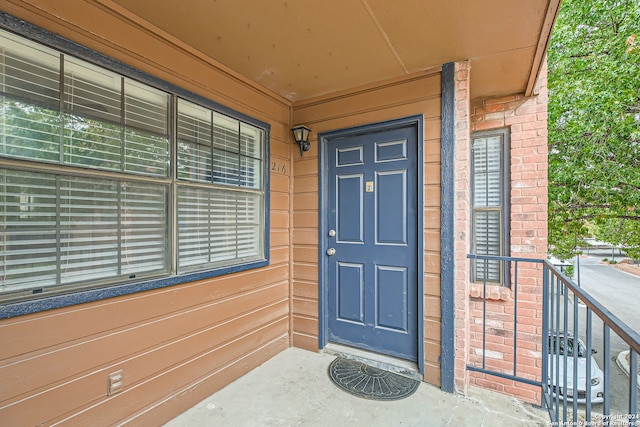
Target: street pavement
616, 290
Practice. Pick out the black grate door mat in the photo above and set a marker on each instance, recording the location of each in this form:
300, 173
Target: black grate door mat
369, 382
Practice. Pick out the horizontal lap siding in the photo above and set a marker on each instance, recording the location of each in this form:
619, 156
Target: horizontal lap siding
417, 94
175, 345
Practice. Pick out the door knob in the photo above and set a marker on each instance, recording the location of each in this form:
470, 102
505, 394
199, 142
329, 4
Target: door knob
331, 251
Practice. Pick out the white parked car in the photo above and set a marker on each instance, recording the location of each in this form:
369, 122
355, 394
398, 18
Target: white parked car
596, 377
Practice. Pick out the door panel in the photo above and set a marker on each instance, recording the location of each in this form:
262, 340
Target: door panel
350, 292
350, 208
391, 208
392, 283
389, 151
349, 156
372, 205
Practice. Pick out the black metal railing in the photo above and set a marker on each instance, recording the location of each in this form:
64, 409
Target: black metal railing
572, 321
510, 370
570, 380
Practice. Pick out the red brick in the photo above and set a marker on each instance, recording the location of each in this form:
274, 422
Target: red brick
528, 200
516, 127
493, 108
517, 104
521, 135
501, 100
535, 158
494, 116
530, 176
488, 125
525, 109
536, 124
462, 74
524, 118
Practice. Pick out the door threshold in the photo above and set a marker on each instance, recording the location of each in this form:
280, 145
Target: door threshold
398, 366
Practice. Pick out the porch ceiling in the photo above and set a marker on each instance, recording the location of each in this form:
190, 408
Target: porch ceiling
303, 49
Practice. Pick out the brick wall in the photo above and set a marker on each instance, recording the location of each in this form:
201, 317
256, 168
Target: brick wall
526, 118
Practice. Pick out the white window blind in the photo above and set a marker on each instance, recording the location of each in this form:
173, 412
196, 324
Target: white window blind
221, 222
106, 121
487, 242
195, 142
74, 229
488, 209
87, 196
28, 251
30, 84
146, 123
218, 149
218, 226
487, 172
114, 123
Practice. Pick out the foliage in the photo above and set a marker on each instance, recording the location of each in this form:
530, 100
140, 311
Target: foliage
569, 270
622, 232
594, 124
35, 132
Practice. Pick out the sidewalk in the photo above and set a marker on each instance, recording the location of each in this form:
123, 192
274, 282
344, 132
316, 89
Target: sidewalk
623, 363
293, 389
627, 268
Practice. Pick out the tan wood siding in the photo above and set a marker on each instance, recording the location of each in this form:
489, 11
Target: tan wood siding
415, 94
175, 345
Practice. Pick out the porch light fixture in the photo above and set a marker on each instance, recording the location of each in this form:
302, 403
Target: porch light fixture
301, 135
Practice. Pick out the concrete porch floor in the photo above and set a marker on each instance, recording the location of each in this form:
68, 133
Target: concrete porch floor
294, 389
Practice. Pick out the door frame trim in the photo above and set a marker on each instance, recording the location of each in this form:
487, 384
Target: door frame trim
417, 122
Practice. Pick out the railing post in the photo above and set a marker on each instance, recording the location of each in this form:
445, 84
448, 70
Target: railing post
576, 349
588, 369
633, 387
545, 335
556, 354
515, 318
484, 315
565, 306
606, 338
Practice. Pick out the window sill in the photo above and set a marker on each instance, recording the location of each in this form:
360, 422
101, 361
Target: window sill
36, 305
494, 292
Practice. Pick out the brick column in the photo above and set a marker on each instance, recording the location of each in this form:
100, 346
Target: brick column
462, 212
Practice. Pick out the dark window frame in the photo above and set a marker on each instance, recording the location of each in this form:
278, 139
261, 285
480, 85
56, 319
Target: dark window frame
57, 297
504, 208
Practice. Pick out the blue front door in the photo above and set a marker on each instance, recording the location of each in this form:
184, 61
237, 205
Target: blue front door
372, 241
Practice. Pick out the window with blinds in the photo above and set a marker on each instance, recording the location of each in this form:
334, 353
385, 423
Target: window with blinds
219, 200
489, 198
88, 195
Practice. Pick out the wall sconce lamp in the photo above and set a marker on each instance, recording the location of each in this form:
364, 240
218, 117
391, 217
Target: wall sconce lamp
301, 135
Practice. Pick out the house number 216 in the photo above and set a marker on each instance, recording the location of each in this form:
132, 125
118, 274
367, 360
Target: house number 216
279, 167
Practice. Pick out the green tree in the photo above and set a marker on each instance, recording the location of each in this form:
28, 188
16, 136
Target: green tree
622, 232
594, 124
